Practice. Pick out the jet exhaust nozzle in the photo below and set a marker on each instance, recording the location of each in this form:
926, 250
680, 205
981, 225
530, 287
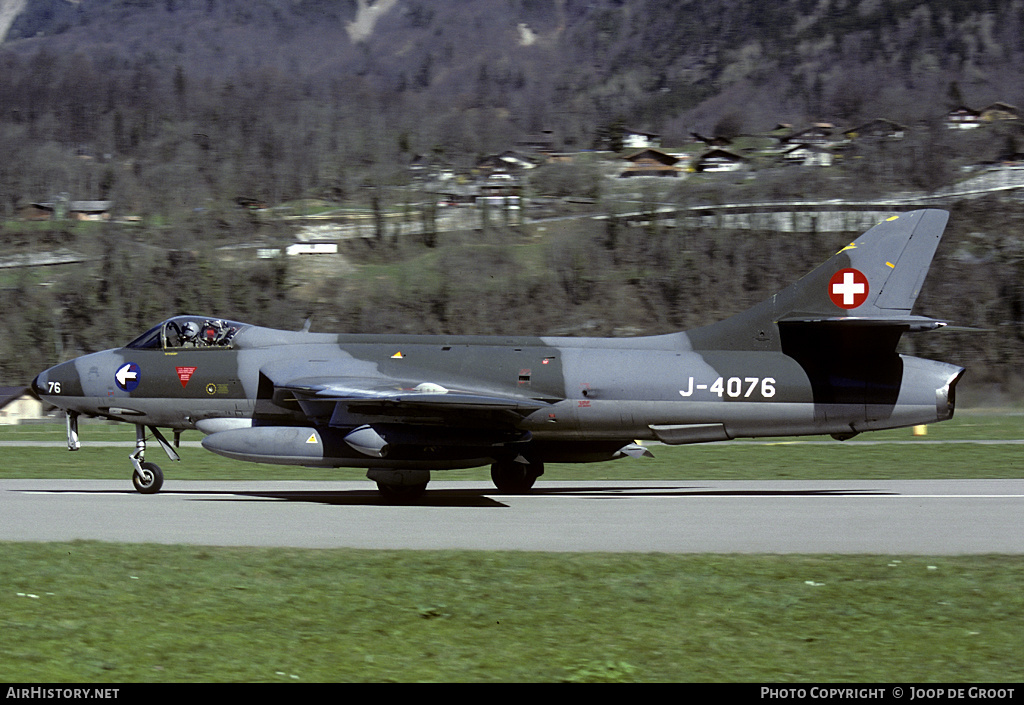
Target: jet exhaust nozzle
945, 397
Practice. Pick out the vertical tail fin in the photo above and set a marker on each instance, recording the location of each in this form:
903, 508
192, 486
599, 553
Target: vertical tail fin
873, 281
878, 275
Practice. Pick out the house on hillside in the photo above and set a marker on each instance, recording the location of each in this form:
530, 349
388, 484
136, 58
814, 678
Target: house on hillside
711, 142
879, 129
638, 139
424, 168
17, 405
651, 162
963, 118
311, 248
508, 161
717, 160
808, 155
62, 209
454, 193
999, 111
821, 134
501, 191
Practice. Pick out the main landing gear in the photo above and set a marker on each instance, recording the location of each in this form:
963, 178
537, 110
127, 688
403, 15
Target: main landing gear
515, 476
398, 486
148, 478
401, 494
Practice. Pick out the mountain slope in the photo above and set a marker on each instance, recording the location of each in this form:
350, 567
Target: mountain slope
671, 66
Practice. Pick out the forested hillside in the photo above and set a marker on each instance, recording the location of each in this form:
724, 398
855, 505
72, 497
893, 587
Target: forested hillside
175, 109
276, 94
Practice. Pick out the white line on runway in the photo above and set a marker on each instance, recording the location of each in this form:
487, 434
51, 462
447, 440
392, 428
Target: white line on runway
742, 441
584, 493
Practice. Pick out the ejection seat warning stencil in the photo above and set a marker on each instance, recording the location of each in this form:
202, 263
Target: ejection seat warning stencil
185, 374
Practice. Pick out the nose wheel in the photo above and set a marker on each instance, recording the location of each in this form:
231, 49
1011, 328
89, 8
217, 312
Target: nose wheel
147, 477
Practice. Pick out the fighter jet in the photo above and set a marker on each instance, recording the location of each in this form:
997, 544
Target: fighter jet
817, 358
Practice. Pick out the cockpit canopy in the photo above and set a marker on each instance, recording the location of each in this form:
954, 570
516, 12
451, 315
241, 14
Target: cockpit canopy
189, 332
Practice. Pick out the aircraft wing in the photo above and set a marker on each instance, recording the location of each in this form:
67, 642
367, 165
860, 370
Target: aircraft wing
344, 399
357, 392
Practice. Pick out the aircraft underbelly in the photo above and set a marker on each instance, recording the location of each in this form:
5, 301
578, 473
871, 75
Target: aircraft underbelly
681, 422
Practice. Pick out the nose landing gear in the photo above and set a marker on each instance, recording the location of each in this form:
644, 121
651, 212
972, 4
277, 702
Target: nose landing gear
148, 478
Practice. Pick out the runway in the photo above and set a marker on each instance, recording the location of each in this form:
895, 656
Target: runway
922, 517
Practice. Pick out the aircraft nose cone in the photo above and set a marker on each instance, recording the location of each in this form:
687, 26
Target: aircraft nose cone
38, 386
57, 382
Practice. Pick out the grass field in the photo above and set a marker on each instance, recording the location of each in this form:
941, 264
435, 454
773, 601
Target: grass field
90, 612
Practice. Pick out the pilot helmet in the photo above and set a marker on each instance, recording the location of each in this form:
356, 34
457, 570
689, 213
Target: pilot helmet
190, 330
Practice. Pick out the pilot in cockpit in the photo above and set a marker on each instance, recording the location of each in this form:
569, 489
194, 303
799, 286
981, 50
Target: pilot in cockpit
188, 335
192, 334
216, 333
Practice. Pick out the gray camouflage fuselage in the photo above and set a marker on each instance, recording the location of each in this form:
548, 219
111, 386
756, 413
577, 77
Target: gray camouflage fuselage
799, 363
595, 390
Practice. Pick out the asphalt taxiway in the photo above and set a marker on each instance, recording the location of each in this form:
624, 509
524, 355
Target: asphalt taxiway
920, 517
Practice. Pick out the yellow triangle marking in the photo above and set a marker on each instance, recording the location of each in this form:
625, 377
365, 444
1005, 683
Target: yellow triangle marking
397, 356
311, 439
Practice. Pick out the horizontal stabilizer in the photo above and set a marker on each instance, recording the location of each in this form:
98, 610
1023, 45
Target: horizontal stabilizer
912, 324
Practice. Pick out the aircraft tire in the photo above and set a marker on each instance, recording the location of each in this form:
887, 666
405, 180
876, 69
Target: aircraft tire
401, 494
515, 478
151, 479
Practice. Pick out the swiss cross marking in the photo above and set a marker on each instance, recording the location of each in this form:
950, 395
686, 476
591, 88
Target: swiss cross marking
848, 288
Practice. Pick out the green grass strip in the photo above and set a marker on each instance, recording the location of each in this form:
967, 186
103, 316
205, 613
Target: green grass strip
92, 612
